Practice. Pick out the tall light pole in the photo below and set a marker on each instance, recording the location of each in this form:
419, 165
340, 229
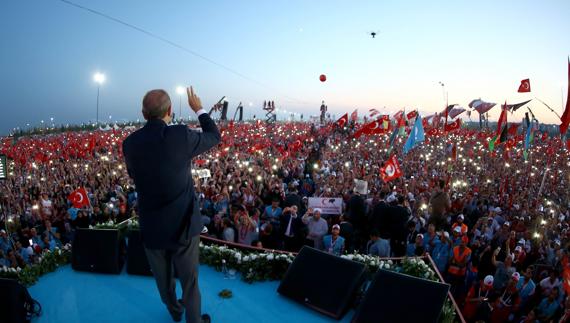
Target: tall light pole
180, 91
99, 78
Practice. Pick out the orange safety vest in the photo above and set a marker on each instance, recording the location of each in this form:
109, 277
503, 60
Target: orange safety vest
454, 267
464, 227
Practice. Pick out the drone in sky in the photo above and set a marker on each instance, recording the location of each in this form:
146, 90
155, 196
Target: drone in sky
373, 33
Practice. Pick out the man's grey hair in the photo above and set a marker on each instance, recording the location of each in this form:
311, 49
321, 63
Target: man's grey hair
155, 104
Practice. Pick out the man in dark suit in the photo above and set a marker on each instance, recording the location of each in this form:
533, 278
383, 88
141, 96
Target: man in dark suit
380, 219
356, 211
293, 229
399, 220
158, 159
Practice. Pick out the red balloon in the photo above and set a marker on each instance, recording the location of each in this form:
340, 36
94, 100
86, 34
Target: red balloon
323, 77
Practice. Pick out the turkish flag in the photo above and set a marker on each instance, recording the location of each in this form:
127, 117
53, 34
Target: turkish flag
412, 114
399, 115
79, 198
391, 169
296, 145
525, 86
453, 126
432, 132
368, 129
200, 162
354, 115
342, 121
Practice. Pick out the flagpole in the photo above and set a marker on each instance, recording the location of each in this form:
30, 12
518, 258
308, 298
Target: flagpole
549, 108
542, 183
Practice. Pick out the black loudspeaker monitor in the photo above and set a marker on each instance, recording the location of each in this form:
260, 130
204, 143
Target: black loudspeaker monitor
390, 298
137, 262
323, 282
16, 305
99, 250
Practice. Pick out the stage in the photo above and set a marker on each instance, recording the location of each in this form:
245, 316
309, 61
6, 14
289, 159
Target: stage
71, 296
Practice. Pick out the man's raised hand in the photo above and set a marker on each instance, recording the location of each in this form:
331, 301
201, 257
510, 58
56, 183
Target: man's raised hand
193, 100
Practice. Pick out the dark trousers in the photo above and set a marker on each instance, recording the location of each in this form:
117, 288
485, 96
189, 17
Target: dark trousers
398, 247
185, 261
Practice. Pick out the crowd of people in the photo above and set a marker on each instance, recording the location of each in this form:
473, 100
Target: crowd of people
496, 224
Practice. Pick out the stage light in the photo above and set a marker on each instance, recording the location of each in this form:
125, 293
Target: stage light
180, 90
99, 78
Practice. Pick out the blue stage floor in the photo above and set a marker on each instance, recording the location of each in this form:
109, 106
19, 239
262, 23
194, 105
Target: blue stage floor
71, 296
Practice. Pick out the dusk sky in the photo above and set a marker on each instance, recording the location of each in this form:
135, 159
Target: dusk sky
478, 49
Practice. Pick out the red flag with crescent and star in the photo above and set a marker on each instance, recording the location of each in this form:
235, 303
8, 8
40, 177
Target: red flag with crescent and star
342, 121
79, 198
525, 86
391, 169
453, 126
354, 115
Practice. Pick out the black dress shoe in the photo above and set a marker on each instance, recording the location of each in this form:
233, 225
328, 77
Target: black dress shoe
177, 317
206, 318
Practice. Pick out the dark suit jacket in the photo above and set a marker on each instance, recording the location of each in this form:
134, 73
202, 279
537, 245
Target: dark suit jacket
357, 211
158, 159
381, 220
399, 221
298, 228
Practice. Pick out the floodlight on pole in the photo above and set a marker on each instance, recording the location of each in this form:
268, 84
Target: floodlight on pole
99, 78
180, 91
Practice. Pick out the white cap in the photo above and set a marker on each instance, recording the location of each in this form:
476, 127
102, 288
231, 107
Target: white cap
488, 280
317, 210
460, 216
446, 234
336, 226
518, 248
516, 276
391, 198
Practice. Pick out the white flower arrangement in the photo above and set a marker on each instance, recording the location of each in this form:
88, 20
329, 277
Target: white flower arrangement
47, 261
254, 266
